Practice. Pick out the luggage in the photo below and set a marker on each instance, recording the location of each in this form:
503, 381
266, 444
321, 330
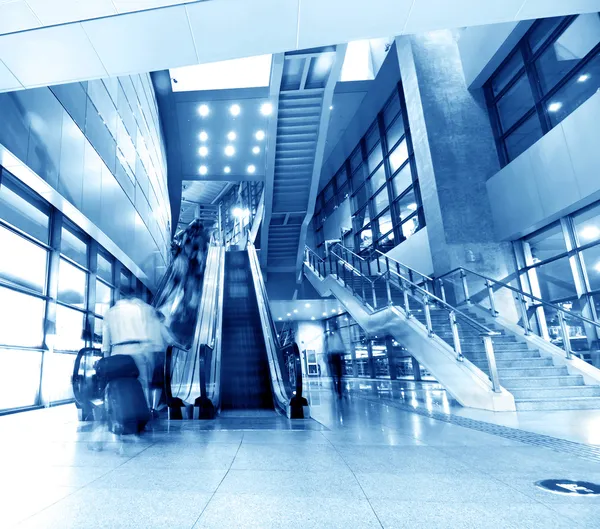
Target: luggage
117, 366
126, 407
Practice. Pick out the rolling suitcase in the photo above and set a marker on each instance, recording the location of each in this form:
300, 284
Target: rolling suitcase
126, 407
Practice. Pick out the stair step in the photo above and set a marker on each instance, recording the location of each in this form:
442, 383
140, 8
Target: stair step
531, 371
564, 403
553, 393
499, 348
552, 381
505, 355
523, 363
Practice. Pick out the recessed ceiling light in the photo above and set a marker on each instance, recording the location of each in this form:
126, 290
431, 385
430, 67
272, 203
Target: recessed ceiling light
307, 305
251, 169
203, 151
280, 319
227, 169
555, 107
288, 314
203, 170
312, 317
324, 314
295, 311
203, 110
256, 149
235, 110
266, 109
333, 311
230, 150
260, 135
231, 136
203, 136
583, 78
330, 107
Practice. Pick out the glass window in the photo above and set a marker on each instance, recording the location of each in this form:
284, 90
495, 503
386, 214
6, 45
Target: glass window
73, 247
22, 318
392, 109
19, 378
523, 137
402, 181
361, 196
343, 192
410, 226
517, 101
394, 133
103, 298
105, 268
542, 31
356, 159
544, 245
125, 282
372, 136
342, 176
384, 223
398, 156
575, 92
375, 158
22, 262
508, 72
378, 179
587, 225
365, 238
407, 205
69, 329
591, 260
553, 280
98, 328
582, 35
361, 219
381, 201
71, 284
328, 192
24, 212
359, 176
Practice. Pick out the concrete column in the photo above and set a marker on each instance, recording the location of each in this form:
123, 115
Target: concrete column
370, 361
389, 345
416, 369
455, 154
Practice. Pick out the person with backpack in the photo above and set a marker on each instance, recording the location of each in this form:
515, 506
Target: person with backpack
335, 357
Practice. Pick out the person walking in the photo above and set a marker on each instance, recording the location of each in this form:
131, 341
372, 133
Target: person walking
335, 357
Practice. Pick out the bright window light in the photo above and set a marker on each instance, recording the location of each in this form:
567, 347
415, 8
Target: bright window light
251, 169
260, 135
203, 151
583, 78
256, 149
266, 109
203, 110
250, 72
227, 169
231, 136
235, 110
203, 170
589, 233
237, 212
412, 207
597, 267
358, 65
554, 107
229, 150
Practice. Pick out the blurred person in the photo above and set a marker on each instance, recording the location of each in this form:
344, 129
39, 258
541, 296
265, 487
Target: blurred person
335, 357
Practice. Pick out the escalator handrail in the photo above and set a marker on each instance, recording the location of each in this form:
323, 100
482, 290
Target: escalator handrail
75, 376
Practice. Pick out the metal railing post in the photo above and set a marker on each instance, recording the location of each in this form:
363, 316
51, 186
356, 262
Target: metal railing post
362, 285
389, 290
428, 316
491, 359
374, 295
405, 295
442, 290
565, 334
463, 276
456, 337
523, 308
490, 292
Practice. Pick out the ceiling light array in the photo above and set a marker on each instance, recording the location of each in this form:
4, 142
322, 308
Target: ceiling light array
307, 305
266, 109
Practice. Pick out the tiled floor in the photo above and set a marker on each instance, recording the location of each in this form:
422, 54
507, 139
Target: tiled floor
361, 463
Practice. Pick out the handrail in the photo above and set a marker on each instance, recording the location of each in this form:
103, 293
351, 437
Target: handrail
387, 258
540, 301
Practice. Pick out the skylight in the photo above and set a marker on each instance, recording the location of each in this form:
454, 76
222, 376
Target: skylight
251, 72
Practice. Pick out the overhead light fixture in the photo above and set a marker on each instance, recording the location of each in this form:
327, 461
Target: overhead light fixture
307, 305
330, 107
203, 151
229, 150
256, 149
203, 136
295, 311
236, 212
203, 170
288, 314
266, 109
231, 136
312, 317
583, 78
203, 110
235, 110
280, 319
555, 107
251, 169
227, 169
324, 314
333, 311
260, 135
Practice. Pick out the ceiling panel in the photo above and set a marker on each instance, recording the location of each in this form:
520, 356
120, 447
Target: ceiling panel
553, 8
16, 16
32, 56
7, 80
60, 11
144, 41
229, 28
126, 6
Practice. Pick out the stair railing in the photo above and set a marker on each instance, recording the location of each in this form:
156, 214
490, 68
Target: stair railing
385, 263
415, 302
487, 294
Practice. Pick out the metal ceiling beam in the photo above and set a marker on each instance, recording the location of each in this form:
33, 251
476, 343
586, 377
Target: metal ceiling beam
276, 76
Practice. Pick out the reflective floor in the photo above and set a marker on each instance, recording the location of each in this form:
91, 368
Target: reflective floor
358, 463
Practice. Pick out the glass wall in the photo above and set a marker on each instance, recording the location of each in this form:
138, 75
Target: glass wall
238, 209
380, 179
561, 264
554, 69
44, 253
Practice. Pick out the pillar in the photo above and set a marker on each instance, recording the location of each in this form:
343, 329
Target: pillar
416, 369
389, 345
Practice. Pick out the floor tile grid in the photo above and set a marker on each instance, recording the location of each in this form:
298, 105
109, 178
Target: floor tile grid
355, 478
220, 483
581, 450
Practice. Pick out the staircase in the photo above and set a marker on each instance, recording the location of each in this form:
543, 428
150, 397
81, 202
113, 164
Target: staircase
245, 374
534, 381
